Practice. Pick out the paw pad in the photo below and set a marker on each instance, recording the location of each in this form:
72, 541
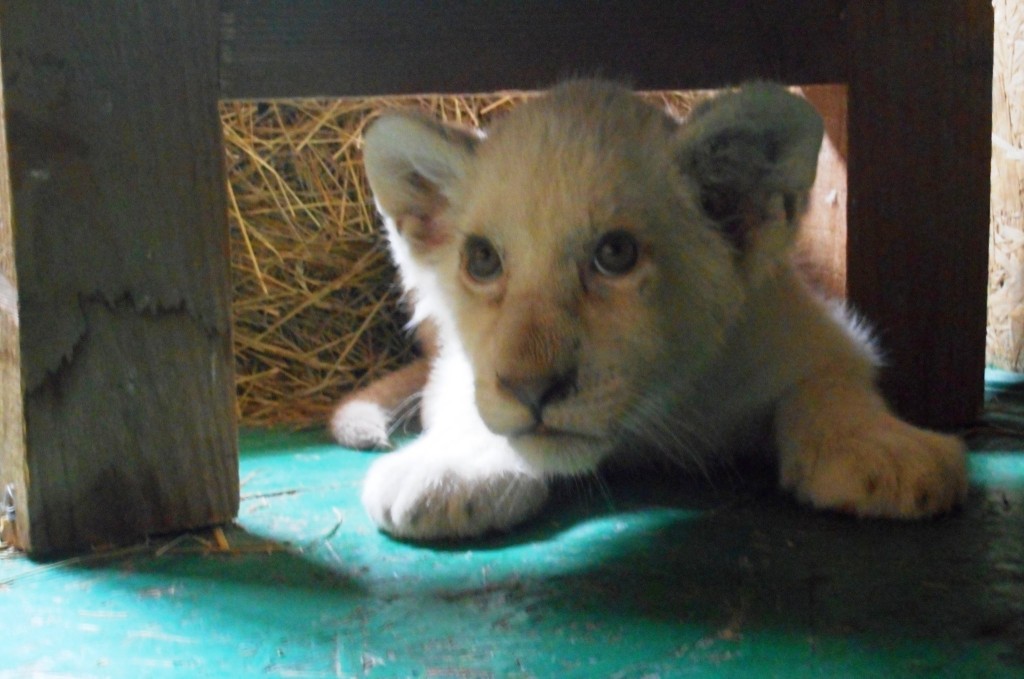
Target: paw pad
890, 469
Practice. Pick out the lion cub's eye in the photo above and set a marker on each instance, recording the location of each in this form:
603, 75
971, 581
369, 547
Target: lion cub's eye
616, 254
481, 261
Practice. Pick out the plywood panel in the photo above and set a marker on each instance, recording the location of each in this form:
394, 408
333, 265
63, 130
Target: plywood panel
821, 246
1005, 347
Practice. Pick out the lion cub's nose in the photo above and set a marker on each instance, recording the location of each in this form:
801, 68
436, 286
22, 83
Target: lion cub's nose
538, 391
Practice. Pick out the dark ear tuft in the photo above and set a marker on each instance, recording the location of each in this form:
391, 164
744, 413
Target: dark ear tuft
747, 148
731, 168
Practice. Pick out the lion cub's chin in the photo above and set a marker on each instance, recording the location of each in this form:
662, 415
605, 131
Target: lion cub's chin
560, 453
601, 267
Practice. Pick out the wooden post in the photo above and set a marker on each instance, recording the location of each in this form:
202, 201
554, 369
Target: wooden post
120, 421
920, 97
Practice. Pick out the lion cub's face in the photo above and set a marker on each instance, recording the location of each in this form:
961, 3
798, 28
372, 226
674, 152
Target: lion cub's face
592, 255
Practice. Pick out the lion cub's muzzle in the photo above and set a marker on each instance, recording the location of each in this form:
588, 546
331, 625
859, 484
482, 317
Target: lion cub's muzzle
537, 392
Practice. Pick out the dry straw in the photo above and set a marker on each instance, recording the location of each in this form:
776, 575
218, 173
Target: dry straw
316, 306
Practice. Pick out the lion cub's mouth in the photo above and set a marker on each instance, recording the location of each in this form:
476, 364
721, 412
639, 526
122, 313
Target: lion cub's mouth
544, 431
560, 451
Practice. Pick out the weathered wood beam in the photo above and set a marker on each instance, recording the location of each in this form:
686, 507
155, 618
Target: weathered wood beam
120, 246
278, 48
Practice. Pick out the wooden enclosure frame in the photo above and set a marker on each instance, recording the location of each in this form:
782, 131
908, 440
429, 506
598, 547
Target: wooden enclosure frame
117, 394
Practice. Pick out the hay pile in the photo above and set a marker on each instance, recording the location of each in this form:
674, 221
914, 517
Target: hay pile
315, 306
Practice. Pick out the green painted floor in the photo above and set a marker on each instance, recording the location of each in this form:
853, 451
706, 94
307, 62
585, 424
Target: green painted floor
635, 577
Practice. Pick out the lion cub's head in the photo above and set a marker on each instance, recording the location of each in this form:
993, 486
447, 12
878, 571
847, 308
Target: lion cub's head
591, 253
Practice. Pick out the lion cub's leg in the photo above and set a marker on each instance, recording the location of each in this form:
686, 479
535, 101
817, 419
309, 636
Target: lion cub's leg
458, 479
452, 483
842, 449
363, 419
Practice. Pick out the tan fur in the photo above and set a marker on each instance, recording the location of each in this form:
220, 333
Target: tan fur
708, 342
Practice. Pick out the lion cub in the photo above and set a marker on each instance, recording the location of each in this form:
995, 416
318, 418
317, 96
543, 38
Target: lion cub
601, 281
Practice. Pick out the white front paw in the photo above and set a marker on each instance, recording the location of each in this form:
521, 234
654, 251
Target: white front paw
419, 494
883, 468
362, 425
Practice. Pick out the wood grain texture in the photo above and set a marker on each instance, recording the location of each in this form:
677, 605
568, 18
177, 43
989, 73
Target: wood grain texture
122, 256
920, 115
277, 48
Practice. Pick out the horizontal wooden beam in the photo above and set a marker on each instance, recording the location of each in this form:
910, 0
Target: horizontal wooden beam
279, 48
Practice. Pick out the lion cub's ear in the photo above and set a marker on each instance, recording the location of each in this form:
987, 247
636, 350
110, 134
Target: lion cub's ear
414, 163
753, 154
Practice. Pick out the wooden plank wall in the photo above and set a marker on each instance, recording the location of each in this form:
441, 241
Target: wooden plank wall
122, 252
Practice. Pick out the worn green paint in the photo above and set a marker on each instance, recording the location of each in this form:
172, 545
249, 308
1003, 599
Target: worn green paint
640, 576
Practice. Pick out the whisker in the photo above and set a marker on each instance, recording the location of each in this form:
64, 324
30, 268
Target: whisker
602, 485
674, 436
406, 410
